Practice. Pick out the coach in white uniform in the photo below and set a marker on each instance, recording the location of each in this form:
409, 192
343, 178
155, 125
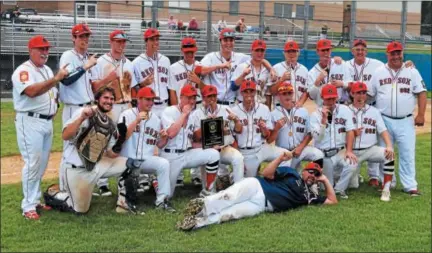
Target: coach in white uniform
76, 90
396, 89
151, 68
257, 124
327, 71
35, 101
179, 151
143, 134
291, 129
333, 132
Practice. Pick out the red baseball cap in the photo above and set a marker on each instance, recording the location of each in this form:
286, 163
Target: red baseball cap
38, 41
227, 33
285, 87
324, 44
329, 91
394, 46
258, 44
359, 42
146, 92
248, 85
79, 29
118, 35
291, 45
209, 90
358, 86
313, 166
151, 32
188, 90
188, 45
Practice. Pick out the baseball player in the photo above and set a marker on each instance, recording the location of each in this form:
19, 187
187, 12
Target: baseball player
327, 71
332, 129
186, 71
221, 78
76, 90
179, 151
113, 69
291, 128
280, 189
228, 154
257, 125
94, 154
253, 70
368, 123
292, 71
35, 103
144, 132
151, 68
396, 89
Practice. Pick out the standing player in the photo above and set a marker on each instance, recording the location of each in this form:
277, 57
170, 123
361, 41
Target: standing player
113, 69
152, 69
396, 89
333, 133
291, 128
257, 125
179, 150
292, 71
35, 101
253, 70
228, 154
144, 132
76, 90
368, 122
94, 155
327, 71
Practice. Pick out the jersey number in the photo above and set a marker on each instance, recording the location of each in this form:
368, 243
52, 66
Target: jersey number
151, 141
404, 90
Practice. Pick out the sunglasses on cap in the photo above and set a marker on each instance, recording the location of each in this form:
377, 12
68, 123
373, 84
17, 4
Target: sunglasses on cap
228, 34
188, 45
314, 172
325, 50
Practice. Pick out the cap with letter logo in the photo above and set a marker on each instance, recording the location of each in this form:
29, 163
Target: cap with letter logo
248, 85
38, 41
358, 86
146, 92
394, 46
329, 91
209, 90
188, 90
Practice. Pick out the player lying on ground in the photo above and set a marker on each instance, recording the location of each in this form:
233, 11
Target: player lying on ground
280, 189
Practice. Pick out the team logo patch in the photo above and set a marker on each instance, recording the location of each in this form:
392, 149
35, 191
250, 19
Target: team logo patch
325, 43
24, 76
423, 84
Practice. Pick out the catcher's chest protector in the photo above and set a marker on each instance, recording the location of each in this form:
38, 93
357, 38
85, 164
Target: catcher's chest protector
92, 141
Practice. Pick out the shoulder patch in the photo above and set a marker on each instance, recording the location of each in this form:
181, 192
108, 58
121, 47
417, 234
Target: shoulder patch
423, 84
24, 76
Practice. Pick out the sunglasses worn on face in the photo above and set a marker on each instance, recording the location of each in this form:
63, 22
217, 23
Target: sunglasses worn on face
291, 51
188, 46
259, 50
314, 172
361, 92
325, 50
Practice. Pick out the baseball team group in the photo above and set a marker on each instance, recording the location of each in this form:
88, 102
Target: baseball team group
140, 122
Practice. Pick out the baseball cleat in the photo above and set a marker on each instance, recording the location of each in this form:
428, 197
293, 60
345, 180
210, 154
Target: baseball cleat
126, 208
204, 193
104, 191
342, 194
373, 182
196, 181
31, 215
188, 223
414, 193
43, 207
166, 206
194, 207
385, 196
180, 182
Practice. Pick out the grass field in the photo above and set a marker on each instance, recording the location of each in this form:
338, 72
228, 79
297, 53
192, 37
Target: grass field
362, 223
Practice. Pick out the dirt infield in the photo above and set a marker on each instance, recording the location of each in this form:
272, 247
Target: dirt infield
11, 166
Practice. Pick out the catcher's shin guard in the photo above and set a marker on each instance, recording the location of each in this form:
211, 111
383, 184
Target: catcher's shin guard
53, 198
128, 182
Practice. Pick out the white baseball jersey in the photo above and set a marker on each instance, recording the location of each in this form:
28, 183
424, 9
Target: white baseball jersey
26, 75
203, 113
299, 77
395, 92
179, 77
371, 120
337, 72
183, 140
144, 137
251, 136
159, 65
221, 78
79, 92
106, 64
296, 128
363, 72
335, 132
260, 76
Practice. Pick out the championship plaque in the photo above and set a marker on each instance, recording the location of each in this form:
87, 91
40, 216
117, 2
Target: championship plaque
212, 132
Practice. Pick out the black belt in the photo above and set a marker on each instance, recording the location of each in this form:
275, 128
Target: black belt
161, 103
409, 115
225, 102
198, 102
277, 104
249, 148
332, 151
40, 116
358, 149
81, 105
178, 151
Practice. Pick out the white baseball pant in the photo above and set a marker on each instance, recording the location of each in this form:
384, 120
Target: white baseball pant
339, 164
309, 153
191, 158
264, 153
233, 157
243, 199
34, 136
